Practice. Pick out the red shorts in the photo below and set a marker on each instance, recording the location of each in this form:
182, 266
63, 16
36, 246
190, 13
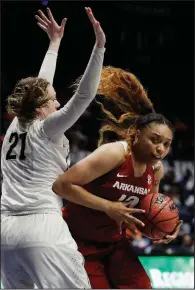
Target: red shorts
113, 265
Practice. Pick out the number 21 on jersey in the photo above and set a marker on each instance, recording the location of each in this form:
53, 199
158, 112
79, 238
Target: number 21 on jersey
133, 200
14, 140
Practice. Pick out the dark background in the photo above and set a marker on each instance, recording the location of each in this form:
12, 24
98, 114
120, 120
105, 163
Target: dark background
154, 40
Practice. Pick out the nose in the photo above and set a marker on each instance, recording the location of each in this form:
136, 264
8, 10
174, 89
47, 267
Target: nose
160, 149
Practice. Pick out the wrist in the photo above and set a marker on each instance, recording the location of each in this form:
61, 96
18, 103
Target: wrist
55, 44
105, 206
100, 44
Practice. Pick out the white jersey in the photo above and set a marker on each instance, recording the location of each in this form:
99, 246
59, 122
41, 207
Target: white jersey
34, 155
31, 162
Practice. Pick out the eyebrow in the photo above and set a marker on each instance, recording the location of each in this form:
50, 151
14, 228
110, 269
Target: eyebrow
159, 135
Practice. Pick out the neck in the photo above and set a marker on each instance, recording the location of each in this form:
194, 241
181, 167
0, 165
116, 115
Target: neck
139, 168
40, 117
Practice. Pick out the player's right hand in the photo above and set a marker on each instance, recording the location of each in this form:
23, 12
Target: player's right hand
54, 31
119, 212
99, 33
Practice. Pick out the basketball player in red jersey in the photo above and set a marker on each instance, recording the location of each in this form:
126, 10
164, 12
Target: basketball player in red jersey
120, 171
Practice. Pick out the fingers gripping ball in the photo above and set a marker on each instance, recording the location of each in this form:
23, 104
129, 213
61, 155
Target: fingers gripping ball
161, 215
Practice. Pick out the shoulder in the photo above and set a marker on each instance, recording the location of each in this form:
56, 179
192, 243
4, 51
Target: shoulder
125, 145
13, 123
107, 157
104, 159
35, 128
112, 150
11, 129
119, 146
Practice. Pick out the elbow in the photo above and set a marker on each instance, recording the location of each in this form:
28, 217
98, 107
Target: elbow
55, 187
60, 187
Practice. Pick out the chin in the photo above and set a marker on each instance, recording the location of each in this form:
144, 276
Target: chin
153, 162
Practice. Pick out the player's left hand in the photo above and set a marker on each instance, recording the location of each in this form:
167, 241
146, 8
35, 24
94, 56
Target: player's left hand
99, 33
171, 237
54, 31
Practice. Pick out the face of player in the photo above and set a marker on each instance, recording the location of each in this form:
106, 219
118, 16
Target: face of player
152, 143
51, 106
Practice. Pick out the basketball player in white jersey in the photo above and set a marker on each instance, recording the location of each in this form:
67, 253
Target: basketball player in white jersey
37, 249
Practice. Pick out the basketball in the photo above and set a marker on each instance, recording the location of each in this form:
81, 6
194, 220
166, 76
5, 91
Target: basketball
161, 215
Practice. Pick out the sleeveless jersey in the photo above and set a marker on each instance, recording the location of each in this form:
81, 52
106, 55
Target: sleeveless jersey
117, 185
30, 163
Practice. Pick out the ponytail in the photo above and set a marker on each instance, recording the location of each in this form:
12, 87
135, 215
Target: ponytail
123, 90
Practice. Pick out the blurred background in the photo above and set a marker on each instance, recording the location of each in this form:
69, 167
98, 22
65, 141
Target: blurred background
155, 41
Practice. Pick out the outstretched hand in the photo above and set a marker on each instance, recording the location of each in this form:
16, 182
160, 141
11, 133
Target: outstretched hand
50, 26
99, 33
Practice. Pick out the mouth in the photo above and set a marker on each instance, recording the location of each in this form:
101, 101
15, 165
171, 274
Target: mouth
156, 157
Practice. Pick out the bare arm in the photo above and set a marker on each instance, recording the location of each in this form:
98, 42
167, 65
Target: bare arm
98, 163
158, 174
101, 161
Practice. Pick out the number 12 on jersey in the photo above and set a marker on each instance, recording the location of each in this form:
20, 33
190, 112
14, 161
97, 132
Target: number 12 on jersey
133, 200
14, 139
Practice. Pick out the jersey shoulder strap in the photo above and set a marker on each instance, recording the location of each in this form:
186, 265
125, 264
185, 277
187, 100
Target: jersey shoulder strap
125, 145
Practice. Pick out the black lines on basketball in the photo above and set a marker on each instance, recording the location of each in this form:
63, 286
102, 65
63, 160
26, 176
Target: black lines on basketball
152, 197
161, 209
161, 215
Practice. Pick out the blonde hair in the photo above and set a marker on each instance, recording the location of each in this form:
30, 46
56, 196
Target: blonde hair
123, 90
28, 95
128, 105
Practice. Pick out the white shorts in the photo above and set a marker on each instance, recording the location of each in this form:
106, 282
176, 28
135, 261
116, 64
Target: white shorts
38, 251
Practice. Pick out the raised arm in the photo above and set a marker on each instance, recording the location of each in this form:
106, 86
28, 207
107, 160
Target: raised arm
62, 120
55, 33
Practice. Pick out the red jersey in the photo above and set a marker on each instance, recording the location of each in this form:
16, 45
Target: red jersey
120, 184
